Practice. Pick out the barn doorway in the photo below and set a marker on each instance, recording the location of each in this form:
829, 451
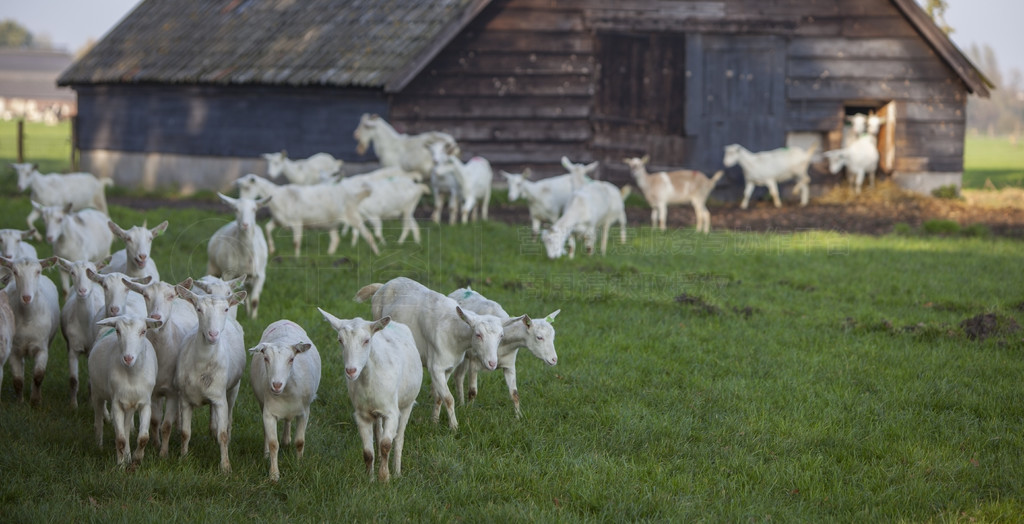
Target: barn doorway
886, 134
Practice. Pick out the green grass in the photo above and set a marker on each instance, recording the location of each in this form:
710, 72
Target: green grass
48, 146
808, 377
994, 159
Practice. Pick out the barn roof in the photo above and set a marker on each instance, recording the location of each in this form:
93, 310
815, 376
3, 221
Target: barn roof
351, 43
343, 43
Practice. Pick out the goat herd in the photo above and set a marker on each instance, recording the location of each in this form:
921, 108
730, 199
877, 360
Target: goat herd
162, 350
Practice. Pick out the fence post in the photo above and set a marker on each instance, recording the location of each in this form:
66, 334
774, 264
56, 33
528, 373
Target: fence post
21, 141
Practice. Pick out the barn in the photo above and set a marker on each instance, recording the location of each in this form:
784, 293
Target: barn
189, 94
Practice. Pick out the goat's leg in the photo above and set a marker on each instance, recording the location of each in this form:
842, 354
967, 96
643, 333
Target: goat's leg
747, 192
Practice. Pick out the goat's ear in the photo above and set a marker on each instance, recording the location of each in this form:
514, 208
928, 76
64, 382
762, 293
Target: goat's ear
566, 163
104, 263
69, 207
94, 276
159, 229
527, 173
380, 324
257, 349
646, 159
25, 235
331, 319
64, 264
116, 229
237, 298
462, 315
153, 323
47, 262
186, 294
551, 318
302, 347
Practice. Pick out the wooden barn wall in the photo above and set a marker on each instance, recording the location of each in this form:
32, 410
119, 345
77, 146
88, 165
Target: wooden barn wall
521, 84
225, 121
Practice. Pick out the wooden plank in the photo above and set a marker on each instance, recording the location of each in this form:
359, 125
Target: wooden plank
849, 89
539, 20
468, 108
526, 41
516, 130
880, 69
492, 85
940, 111
867, 8
924, 164
491, 62
878, 27
877, 48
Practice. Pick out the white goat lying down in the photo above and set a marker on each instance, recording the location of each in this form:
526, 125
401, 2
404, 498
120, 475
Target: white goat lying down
674, 187
384, 375
536, 335
284, 374
445, 334
768, 168
596, 204
308, 171
81, 190
473, 178
859, 158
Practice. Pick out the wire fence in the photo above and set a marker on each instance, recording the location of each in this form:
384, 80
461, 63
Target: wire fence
38, 143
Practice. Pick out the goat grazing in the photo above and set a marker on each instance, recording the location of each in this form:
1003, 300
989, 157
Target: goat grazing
285, 374
674, 187
383, 375
769, 168
596, 204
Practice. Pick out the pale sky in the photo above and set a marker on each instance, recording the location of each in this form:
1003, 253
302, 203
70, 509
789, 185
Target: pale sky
71, 23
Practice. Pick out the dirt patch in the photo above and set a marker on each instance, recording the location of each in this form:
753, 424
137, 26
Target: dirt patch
981, 327
874, 212
698, 304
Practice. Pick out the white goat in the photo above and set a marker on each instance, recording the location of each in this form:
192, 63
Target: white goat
83, 306
210, 368
859, 158
578, 173
212, 285
323, 206
76, 235
768, 168
596, 204
122, 371
674, 187
13, 245
6, 327
240, 249
411, 153
546, 198
309, 171
118, 299
33, 299
135, 260
473, 177
536, 335
178, 319
392, 198
285, 374
81, 190
384, 375
445, 334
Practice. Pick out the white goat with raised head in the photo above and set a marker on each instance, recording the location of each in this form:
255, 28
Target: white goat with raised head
122, 372
83, 306
674, 187
445, 334
596, 204
80, 190
134, 260
536, 335
308, 171
32, 298
210, 368
285, 374
383, 374
178, 319
239, 249
769, 168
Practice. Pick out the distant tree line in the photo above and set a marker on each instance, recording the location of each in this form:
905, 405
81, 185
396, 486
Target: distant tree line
1003, 112
15, 35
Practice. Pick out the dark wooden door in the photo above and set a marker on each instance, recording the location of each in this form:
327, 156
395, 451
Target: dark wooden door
736, 94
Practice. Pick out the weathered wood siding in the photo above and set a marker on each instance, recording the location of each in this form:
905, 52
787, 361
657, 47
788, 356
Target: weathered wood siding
527, 82
223, 121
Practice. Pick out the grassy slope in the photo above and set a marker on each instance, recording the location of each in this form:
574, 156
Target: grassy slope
777, 390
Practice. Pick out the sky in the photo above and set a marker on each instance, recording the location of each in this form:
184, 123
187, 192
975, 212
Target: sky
71, 23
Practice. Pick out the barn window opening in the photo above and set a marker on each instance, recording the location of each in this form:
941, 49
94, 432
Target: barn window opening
642, 80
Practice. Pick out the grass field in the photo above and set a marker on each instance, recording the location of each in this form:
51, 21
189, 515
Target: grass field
807, 377
995, 159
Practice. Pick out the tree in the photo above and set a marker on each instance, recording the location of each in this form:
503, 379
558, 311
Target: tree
13, 34
937, 10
